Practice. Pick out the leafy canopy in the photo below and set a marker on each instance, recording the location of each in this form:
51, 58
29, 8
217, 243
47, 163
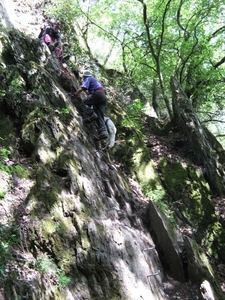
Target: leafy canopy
152, 41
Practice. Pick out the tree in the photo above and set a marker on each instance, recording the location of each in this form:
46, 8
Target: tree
153, 40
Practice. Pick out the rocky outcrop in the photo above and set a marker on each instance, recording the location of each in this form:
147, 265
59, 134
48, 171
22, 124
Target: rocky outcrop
208, 150
169, 242
75, 226
79, 219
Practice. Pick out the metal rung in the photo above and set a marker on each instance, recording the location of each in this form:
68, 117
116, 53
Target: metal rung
150, 248
154, 274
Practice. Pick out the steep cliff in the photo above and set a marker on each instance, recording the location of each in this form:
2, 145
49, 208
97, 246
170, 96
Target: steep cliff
74, 222
80, 230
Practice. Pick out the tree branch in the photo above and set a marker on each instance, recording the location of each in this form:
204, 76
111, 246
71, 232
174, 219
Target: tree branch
219, 63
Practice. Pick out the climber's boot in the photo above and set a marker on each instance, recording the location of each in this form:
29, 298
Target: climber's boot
91, 118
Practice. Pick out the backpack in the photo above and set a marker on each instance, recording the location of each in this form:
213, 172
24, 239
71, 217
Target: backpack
43, 29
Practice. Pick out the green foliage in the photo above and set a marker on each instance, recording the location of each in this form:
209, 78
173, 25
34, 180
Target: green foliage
154, 40
16, 88
2, 84
2, 195
8, 237
65, 111
4, 154
156, 193
134, 115
46, 265
2, 93
63, 280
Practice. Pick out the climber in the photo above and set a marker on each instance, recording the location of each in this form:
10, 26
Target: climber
51, 36
95, 104
46, 24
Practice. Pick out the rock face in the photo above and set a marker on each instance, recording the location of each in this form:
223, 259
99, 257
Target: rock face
73, 225
79, 219
203, 143
168, 240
